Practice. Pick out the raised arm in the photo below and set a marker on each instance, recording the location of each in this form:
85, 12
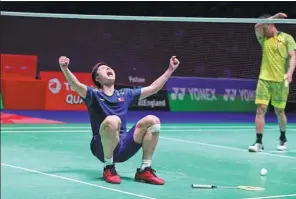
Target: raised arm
80, 88
160, 82
259, 26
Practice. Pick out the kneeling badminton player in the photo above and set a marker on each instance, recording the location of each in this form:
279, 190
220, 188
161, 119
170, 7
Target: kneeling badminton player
111, 142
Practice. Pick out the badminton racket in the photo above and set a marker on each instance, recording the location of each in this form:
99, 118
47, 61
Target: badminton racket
247, 188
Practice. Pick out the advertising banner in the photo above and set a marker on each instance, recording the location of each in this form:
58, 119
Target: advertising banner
60, 95
159, 101
211, 94
18, 65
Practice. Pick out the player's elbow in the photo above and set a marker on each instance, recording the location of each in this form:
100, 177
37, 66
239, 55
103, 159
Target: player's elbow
154, 90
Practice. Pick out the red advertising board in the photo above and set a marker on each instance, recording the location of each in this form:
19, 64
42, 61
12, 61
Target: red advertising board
18, 66
59, 94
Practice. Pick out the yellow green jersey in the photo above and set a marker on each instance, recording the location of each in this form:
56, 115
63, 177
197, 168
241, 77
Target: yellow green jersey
275, 56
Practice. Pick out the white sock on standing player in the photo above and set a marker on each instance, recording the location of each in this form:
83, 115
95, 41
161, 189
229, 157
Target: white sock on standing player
145, 163
108, 161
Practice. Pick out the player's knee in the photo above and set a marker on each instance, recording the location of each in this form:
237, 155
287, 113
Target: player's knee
111, 124
150, 123
261, 110
279, 112
151, 120
153, 125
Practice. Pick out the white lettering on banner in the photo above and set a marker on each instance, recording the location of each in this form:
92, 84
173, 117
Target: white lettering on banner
247, 95
68, 86
230, 94
152, 103
136, 79
200, 94
197, 94
24, 67
73, 99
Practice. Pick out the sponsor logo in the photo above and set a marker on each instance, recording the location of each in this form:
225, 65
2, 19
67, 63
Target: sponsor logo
202, 94
136, 79
230, 94
245, 95
54, 85
152, 103
197, 94
73, 99
24, 67
8, 67
178, 93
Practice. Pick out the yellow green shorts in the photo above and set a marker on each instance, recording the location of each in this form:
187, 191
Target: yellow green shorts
274, 91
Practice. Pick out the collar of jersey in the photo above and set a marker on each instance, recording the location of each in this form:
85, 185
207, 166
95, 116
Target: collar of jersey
115, 91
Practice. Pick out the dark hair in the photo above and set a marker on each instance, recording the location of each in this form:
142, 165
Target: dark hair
94, 74
265, 16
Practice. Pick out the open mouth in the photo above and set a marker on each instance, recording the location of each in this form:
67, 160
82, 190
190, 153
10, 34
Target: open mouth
109, 74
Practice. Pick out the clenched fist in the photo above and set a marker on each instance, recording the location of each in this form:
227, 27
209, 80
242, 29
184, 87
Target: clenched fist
174, 63
281, 15
64, 61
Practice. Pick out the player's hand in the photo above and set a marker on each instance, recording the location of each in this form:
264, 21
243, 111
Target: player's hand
64, 62
174, 63
281, 15
289, 77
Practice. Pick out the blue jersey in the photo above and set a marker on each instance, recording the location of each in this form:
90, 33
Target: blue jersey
101, 105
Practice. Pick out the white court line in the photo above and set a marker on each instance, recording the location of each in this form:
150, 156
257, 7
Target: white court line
225, 147
16, 131
277, 196
77, 181
79, 131
283, 152
167, 138
163, 126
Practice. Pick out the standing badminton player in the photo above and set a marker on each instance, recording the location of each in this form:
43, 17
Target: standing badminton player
277, 66
107, 107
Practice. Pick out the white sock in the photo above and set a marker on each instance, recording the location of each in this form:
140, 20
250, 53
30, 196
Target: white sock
108, 161
145, 163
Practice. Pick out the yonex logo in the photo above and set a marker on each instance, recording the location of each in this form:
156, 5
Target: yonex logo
54, 85
230, 94
178, 93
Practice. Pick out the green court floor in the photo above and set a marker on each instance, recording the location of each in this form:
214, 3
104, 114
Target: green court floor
54, 162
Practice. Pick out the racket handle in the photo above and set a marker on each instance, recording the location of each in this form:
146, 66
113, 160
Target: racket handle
203, 186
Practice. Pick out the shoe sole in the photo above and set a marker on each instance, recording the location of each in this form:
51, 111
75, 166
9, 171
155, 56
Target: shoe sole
147, 182
111, 182
254, 151
281, 149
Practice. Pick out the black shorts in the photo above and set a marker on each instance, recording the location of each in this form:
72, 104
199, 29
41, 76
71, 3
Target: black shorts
125, 149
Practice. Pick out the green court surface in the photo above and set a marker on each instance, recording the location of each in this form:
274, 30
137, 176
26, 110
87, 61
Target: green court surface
55, 162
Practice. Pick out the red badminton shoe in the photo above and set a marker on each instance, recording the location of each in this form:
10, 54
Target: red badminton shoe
110, 175
148, 176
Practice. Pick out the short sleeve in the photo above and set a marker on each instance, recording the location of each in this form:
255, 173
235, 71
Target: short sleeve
88, 100
290, 43
132, 95
261, 40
